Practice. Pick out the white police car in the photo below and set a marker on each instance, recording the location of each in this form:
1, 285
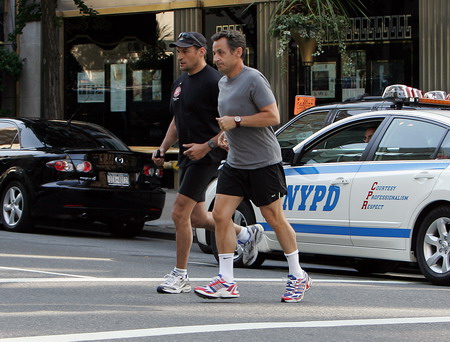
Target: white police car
385, 199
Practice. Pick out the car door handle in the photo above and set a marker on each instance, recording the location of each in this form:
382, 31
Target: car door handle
424, 175
340, 180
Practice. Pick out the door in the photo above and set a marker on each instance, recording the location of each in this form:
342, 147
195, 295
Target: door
387, 190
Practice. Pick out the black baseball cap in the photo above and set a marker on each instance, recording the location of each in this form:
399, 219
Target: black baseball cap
187, 39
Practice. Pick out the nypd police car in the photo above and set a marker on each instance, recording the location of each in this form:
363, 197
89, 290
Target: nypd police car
382, 200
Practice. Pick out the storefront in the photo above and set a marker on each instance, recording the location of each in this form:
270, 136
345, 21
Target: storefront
383, 49
118, 74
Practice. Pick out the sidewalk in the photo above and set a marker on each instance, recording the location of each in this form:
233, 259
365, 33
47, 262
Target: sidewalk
164, 224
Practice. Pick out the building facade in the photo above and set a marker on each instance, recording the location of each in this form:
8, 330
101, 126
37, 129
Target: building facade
117, 68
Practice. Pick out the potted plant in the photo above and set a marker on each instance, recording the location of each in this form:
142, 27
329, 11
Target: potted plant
311, 23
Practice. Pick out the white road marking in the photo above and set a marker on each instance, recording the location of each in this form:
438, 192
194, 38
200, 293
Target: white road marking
85, 279
28, 256
44, 272
111, 335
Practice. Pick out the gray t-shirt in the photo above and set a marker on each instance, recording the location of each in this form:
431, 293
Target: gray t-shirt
245, 94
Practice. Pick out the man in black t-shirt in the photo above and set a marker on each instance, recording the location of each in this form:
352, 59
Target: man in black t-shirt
194, 125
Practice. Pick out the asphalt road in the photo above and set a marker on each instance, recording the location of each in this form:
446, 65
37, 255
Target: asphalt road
77, 286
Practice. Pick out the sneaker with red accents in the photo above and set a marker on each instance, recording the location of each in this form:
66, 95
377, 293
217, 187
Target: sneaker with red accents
218, 288
296, 288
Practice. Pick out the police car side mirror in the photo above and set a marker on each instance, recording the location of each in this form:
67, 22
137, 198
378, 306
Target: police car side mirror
287, 155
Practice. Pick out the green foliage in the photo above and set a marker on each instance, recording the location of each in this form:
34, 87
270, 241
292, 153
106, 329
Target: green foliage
322, 20
84, 9
27, 10
10, 62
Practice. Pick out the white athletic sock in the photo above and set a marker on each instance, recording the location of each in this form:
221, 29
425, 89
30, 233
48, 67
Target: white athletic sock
180, 271
226, 267
243, 236
294, 265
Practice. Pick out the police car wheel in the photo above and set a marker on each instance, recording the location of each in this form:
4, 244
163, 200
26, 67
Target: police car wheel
243, 216
433, 246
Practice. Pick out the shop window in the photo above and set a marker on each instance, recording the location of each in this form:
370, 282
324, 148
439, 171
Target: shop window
119, 75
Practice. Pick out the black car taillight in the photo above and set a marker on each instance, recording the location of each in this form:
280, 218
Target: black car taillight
67, 166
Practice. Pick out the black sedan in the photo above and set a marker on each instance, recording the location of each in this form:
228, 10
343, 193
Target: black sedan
74, 171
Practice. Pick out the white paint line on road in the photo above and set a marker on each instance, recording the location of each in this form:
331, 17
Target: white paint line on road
111, 335
59, 257
155, 280
43, 272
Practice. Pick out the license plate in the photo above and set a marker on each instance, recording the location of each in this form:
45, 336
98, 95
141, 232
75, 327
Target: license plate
118, 179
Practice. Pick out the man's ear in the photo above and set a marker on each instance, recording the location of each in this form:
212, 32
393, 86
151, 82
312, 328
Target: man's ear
239, 51
202, 51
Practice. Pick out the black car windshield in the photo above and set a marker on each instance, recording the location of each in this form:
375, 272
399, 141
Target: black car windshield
62, 135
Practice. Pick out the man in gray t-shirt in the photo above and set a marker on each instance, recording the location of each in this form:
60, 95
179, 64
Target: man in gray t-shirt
254, 147
253, 170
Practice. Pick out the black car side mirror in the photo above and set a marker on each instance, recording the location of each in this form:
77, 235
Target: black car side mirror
287, 155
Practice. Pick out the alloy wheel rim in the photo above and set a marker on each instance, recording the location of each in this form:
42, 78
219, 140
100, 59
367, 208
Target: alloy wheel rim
13, 206
436, 246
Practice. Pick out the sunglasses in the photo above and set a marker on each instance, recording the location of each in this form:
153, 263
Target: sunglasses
187, 35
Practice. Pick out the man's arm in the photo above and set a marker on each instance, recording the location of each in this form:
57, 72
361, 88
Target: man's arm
268, 116
198, 151
170, 139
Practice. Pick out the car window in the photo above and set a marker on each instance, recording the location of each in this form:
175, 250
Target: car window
343, 146
9, 136
444, 150
345, 113
63, 136
302, 128
408, 139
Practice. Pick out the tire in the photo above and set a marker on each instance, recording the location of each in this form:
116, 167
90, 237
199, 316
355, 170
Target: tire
433, 246
368, 266
16, 208
243, 216
126, 229
207, 249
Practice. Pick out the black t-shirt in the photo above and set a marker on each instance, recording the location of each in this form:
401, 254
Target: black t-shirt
194, 106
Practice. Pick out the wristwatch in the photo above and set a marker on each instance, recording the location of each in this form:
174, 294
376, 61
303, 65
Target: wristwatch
211, 144
237, 120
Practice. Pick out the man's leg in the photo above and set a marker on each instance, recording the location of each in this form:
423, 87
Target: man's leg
248, 237
223, 286
181, 215
298, 280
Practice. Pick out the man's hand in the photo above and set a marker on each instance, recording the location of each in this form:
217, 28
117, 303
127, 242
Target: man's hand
196, 151
226, 123
158, 158
223, 142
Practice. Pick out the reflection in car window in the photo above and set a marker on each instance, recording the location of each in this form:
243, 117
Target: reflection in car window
344, 146
345, 113
302, 128
9, 136
408, 139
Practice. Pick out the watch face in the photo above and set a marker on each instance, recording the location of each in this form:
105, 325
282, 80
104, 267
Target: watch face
237, 118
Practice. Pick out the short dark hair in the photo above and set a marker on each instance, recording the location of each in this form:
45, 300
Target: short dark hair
234, 38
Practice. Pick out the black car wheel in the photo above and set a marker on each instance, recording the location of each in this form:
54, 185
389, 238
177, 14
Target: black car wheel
433, 246
126, 229
16, 212
243, 216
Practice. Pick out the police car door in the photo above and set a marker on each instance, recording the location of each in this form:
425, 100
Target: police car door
317, 203
387, 190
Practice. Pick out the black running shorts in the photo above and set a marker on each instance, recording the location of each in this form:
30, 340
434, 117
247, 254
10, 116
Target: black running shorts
194, 180
262, 186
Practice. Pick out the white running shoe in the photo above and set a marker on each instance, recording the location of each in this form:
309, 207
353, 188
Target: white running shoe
174, 283
218, 288
250, 248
